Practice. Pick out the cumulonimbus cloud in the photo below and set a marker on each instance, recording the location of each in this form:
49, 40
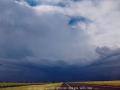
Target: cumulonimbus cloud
49, 35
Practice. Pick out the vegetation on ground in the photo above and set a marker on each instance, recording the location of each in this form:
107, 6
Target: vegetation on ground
45, 86
109, 83
14, 84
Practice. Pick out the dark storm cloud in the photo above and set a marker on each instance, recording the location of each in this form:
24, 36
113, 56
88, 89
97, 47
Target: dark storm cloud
106, 54
106, 66
38, 43
102, 68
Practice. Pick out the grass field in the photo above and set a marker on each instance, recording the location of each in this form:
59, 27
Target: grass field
13, 84
111, 83
49, 86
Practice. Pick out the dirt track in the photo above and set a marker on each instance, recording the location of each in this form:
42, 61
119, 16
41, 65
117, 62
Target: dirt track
77, 86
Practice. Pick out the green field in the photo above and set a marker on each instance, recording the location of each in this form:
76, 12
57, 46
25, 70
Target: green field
109, 83
47, 86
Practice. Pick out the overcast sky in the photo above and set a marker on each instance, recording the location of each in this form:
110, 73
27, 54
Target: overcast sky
61, 40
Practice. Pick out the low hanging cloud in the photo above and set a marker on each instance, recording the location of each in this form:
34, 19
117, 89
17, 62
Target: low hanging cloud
46, 70
59, 37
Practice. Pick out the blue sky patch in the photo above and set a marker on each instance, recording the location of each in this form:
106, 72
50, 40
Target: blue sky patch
75, 20
77, 0
31, 2
61, 4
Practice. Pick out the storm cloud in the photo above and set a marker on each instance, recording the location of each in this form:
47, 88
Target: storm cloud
58, 38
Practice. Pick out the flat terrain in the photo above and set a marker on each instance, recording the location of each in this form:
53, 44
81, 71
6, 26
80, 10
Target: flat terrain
15, 84
89, 85
48, 86
109, 83
79, 86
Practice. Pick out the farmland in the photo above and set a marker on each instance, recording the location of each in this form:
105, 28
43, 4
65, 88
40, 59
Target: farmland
30, 86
